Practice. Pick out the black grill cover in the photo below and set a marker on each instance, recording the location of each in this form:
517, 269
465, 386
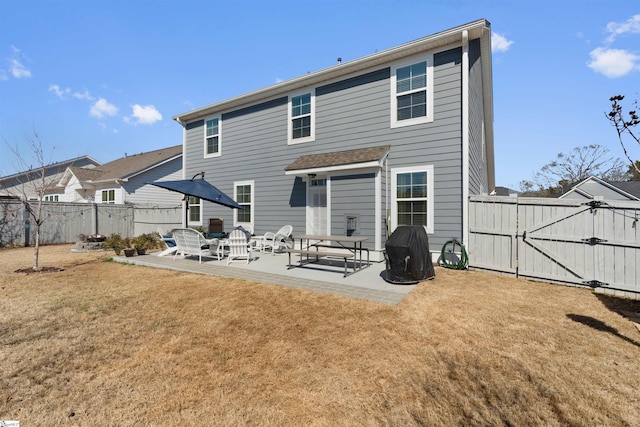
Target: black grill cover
407, 255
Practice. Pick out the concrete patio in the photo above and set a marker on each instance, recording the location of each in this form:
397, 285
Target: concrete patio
327, 277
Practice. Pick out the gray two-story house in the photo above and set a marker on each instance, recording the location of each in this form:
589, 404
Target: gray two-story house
402, 136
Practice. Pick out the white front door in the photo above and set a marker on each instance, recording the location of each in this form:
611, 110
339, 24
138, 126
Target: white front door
317, 206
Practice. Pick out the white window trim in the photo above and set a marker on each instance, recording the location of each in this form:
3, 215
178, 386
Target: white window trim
236, 223
312, 136
394, 95
109, 202
201, 208
204, 148
430, 196
327, 186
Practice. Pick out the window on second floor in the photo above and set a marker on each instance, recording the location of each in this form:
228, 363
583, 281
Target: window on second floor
51, 198
412, 93
301, 118
212, 137
109, 196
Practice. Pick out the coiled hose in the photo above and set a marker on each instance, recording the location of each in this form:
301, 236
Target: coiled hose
449, 262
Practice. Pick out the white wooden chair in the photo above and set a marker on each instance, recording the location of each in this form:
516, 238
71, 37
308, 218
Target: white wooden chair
277, 240
169, 244
239, 247
190, 242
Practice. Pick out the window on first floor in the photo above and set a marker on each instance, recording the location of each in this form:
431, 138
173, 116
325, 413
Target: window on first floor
195, 210
109, 196
243, 194
412, 197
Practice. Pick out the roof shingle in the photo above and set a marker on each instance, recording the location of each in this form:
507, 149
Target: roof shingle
338, 158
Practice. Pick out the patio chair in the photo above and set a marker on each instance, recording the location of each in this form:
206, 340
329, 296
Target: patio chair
190, 242
169, 243
279, 239
239, 246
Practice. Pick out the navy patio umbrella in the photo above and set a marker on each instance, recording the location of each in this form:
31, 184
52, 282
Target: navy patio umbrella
198, 188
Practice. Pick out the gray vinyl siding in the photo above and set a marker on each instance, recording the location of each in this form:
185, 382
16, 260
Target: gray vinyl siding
478, 179
353, 195
149, 195
349, 114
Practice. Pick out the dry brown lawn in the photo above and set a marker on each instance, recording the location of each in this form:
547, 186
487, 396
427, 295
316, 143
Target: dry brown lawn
108, 344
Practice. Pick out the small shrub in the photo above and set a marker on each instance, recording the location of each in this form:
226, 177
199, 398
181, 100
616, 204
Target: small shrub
116, 242
147, 240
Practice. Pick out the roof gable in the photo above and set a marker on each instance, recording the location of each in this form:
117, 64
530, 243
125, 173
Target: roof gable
50, 170
593, 187
128, 166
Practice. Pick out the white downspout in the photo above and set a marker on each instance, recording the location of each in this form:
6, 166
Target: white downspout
184, 169
465, 137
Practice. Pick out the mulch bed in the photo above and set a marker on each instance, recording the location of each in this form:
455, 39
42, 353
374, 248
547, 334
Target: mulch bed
30, 270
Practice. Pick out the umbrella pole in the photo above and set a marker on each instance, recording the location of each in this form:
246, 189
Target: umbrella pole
186, 212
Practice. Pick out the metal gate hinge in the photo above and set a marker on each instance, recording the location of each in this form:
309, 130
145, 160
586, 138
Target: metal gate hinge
595, 283
592, 241
594, 203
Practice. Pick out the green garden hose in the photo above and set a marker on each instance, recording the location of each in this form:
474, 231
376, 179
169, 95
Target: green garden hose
462, 263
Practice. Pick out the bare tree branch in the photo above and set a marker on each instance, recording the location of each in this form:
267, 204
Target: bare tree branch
624, 127
567, 169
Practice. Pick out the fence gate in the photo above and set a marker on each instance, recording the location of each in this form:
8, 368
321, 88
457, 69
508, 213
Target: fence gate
592, 243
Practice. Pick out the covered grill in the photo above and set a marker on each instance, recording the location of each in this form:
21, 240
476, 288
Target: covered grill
407, 256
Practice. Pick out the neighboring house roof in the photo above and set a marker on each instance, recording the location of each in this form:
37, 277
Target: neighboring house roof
629, 187
504, 191
365, 157
124, 168
593, 187
52, 169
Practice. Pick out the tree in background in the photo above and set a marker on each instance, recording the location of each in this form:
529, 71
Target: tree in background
634, 171
625, 128
569, 169
38, 182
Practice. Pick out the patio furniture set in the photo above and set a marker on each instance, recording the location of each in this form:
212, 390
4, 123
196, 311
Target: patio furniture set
313, 247
240, 246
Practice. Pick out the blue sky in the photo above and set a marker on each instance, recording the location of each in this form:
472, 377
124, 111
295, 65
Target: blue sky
104, 78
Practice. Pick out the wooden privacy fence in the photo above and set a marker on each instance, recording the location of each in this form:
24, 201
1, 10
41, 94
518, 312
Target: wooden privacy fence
593, 243
64, 222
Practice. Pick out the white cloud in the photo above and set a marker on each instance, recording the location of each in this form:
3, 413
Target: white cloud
631, 25
83, 95
18, 70
64, 93
101, 108
16, 67
144, 114
613, 62
60, 93
499, 43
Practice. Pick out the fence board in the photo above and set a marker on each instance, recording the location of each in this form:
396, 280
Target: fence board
564, 241
64, 222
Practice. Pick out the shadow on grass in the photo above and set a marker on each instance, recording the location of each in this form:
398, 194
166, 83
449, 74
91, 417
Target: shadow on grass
618, 304
600, 326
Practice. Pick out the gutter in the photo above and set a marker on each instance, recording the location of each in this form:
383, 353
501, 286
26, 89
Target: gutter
465, 137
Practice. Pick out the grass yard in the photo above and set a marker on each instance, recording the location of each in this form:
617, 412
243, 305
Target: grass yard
102, 343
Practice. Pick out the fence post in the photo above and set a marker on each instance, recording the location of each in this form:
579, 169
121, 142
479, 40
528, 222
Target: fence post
95, 218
